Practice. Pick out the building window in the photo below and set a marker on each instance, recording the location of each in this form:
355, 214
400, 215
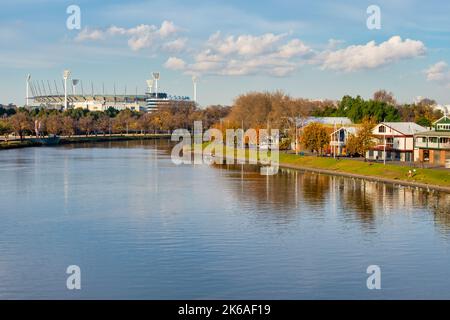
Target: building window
424, 140
382, 129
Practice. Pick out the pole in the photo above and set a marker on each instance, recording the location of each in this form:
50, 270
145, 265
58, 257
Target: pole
384, 156
65, 93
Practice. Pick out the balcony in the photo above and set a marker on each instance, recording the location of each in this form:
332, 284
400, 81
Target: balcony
432, 145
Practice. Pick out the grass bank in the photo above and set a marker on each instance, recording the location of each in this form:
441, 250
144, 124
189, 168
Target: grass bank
438, 179
389, 172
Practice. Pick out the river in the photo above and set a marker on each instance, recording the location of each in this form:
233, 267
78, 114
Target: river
140, 227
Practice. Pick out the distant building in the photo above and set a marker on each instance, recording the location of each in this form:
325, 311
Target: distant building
433, 146
338, 121
338, 140
394, 141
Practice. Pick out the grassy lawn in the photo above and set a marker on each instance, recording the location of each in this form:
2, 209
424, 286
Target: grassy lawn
388, 171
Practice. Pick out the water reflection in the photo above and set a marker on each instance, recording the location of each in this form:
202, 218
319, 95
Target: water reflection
363, 200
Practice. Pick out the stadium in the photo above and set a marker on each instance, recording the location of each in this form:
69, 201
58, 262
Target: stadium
44, 95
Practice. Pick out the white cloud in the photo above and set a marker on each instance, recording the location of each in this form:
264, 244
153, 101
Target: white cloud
269, 54
87, 34
438, 71
371, 55
139, 37
167, 29
176, 45
246, 45
294, 48
175, 63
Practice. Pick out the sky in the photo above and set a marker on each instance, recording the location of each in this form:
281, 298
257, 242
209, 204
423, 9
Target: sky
309, 49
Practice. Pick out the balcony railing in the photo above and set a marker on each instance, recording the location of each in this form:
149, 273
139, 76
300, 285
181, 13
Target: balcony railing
432, 145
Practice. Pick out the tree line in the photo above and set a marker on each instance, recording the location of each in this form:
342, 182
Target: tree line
79, 121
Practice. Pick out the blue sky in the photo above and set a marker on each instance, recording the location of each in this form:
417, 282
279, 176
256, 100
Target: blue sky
310, 49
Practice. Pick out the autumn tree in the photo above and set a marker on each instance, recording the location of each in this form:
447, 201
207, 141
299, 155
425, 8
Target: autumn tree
384, 96
5, 129
68, 126
122, 121
21, 122
315, 137
86, 124
360, 143
53, 124
103, 124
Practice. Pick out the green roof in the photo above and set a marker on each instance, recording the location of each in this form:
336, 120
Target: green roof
444, 119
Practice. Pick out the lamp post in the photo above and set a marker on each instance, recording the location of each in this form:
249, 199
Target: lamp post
66, 76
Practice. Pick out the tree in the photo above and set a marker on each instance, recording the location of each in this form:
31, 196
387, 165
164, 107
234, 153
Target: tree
315, 137
384, 96
54, 124
103, 124
123, 121
21, 123
5, 129
145, 123
86, 124
360, 143
68, 126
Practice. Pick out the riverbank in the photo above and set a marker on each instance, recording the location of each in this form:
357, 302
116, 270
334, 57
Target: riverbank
15, 144
426, 178
435, 179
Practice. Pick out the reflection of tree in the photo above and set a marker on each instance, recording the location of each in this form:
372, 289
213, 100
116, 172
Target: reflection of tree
315, 188
358, 198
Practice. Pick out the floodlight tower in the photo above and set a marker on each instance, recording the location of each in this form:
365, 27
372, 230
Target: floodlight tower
74, 84
156, 77
150, 86
27, 102
66, 76
194, 82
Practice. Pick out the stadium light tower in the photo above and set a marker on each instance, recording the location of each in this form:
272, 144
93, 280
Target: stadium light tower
27, 102
150, 86
66, 76
74, 84
156, 77
194, 82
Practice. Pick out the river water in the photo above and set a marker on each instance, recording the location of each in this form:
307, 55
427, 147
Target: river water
140, 227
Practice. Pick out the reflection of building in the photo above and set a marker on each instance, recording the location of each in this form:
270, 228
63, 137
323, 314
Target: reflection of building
434, 146
394, 141
338, 141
